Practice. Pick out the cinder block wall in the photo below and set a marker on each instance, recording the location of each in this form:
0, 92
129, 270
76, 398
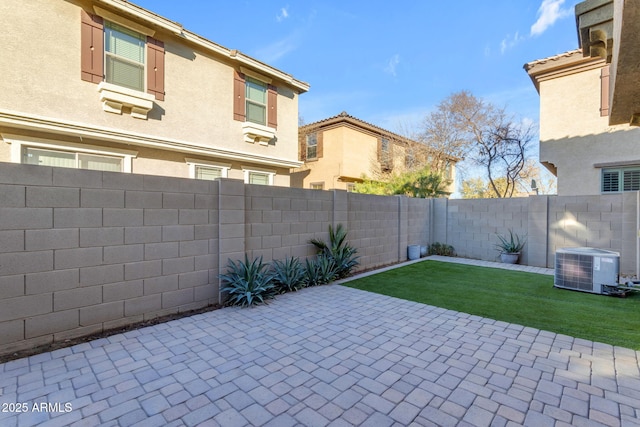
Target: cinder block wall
548, 222
472, 225
606, 222
279, 222
86, 251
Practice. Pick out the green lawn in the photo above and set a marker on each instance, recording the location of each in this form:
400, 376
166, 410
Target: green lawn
512, 296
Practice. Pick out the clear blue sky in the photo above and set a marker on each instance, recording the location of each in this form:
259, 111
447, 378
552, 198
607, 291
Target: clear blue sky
389, 62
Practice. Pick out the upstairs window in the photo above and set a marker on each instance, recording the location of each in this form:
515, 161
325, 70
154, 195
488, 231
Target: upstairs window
256, 99
617, 180
115, 54
385, 155
124, 57
312, 146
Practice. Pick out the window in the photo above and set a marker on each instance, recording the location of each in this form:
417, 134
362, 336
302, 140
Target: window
45, 152
66, 159
351, 187
384, 145
256, 99
259, 177
624, 179
202, 169
208, 172
312, 146
385, 155
255, 103
317, 186
124, 57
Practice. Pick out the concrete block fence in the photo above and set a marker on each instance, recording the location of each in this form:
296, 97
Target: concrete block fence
86, 251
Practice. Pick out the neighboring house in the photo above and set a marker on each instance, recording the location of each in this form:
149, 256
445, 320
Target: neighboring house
339, 151
590, 102
108, 85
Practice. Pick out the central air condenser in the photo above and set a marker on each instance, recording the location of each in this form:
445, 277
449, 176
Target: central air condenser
586, 269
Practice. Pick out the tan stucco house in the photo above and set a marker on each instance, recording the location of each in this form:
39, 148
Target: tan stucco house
339, 151
590, 102
108, 85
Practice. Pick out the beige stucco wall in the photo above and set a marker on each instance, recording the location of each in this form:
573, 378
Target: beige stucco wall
347, 152
573, 135
42, 78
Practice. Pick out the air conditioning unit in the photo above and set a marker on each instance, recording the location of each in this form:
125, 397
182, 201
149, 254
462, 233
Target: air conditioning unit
587, 270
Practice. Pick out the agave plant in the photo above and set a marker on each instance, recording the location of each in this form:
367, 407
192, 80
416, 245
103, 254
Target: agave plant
319, 271
510, 245
248, 283
338, 250
288, 275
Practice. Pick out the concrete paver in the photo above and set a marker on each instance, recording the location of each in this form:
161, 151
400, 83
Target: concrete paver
328, 355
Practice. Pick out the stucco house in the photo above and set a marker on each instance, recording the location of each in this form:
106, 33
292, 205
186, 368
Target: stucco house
338, 151
590, 102
108, 85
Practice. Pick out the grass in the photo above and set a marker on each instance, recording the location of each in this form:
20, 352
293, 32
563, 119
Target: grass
516, 297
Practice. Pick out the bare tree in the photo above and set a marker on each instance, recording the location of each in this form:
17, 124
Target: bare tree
485, 135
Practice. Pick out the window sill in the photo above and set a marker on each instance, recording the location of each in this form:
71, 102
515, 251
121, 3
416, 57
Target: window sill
254, 132
114, 98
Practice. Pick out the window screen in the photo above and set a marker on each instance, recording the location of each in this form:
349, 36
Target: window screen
256, 96
124, 57
208, 173
258, 178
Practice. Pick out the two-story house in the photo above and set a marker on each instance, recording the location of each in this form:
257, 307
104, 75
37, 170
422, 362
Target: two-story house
340, 150
108, 85
590, 102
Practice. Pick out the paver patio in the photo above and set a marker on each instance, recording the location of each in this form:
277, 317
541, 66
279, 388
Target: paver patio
328, 355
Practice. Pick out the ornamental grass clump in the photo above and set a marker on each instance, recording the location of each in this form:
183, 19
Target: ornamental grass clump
288, 275
442, 249
248, 283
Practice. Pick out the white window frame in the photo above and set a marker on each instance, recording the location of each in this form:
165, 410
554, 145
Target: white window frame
317, 185
249, 170
251, 80
18, 142
142, 36
195, 163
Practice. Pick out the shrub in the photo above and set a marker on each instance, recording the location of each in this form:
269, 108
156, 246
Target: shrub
443, 249
338, 250
319, 271
248, 283
288, 275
